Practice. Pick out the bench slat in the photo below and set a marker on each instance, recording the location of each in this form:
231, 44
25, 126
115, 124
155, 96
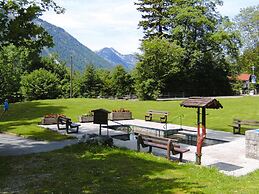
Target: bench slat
157, 112
156, 137
74, 125
155, 144
158, 141
148, 139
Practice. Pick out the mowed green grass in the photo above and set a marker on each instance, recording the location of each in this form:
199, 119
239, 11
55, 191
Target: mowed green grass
94, 169
22, 118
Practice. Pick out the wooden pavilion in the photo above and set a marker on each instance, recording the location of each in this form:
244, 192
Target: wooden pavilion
201, 103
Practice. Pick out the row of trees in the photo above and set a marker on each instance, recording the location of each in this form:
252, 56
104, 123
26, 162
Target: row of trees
21, 42
188, 47
25, 74
53, 79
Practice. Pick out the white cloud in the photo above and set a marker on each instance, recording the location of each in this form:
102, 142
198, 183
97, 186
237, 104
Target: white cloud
113, 23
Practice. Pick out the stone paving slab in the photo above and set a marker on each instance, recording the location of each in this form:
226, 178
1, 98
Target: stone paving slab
14, 145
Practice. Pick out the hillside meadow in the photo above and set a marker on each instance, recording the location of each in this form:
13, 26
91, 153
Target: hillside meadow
22, 118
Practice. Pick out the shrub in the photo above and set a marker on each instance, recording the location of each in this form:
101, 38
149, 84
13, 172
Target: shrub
40, 84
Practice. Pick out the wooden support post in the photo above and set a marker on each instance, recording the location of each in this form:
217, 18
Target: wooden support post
201, 136
198, 150
100, 129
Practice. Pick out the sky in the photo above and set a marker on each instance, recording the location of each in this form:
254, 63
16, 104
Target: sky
113, 23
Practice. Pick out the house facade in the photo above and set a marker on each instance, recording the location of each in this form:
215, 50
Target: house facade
248, 83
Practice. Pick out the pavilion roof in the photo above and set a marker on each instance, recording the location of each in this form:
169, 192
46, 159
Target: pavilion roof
201, 102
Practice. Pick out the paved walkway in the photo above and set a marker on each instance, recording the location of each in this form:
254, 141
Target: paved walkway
228, 157
15, 145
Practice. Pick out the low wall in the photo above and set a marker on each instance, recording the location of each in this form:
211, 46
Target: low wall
86, 119
252, 144
48, 121
120, 116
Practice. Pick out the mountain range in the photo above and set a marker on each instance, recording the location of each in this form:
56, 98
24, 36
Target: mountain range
115, 58
66, 46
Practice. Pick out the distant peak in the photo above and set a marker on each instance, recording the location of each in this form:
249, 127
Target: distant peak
113, 56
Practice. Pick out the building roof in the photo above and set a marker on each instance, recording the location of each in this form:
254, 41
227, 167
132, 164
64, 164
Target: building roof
201, 102
244, 77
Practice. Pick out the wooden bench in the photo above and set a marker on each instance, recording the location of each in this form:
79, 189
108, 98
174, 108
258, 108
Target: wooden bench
70, 127
161, 142
163, 118
239, 124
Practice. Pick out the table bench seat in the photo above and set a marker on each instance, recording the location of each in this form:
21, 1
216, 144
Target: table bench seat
239, 124
162, 143
163, 117
70, 127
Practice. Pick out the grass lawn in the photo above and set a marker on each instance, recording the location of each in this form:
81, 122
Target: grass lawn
22, 118
94, 169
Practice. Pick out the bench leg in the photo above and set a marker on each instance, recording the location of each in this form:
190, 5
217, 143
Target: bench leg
74, 129
138, 146
148, 117
169, 148
236, 130
150, 149
168, 154
181, 157
163, 119
139, 139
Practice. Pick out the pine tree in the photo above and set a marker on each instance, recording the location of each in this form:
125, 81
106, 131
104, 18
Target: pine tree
155, 17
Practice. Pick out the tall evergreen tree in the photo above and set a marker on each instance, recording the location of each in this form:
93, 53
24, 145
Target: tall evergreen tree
122, 83
155, 18
90, 83
198, 28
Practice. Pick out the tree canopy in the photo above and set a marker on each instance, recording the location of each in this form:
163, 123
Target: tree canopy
197, 28
17, 26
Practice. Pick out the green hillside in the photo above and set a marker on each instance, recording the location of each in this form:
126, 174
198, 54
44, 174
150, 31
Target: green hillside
67, 46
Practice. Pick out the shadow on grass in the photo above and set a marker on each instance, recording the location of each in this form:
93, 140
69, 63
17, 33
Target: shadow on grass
29, 129
30, 111
22, 118
93, 169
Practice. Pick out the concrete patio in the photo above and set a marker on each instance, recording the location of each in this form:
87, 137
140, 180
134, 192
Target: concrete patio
228, 157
